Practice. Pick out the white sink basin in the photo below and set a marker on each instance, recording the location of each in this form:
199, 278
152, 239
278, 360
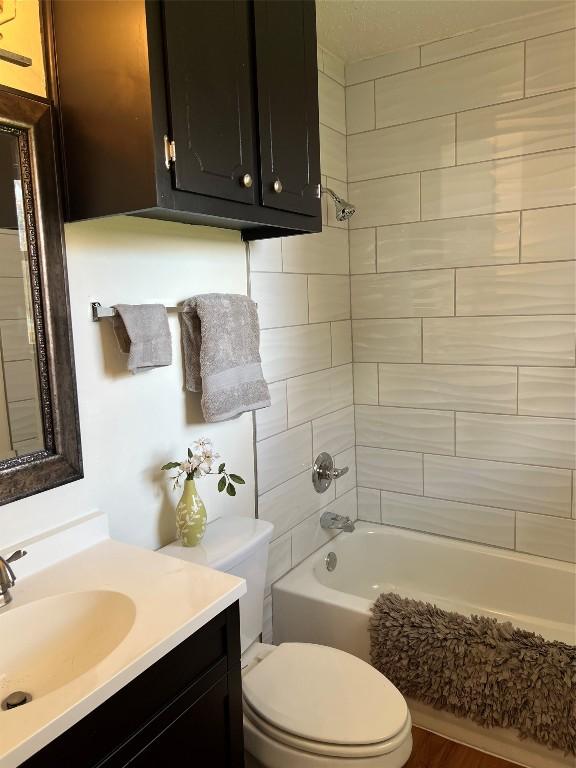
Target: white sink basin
50, 642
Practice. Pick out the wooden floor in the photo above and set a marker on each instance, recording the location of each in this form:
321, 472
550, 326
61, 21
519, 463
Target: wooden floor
432, 751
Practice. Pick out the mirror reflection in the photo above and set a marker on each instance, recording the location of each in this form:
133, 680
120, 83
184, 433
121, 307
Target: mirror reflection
20, 411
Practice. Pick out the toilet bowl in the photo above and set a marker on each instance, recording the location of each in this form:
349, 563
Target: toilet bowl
313, 706
305, 705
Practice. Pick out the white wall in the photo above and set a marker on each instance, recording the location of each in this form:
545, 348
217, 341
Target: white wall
302, 286
131, 425
463, 285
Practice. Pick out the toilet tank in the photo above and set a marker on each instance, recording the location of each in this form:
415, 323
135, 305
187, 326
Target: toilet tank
237, 545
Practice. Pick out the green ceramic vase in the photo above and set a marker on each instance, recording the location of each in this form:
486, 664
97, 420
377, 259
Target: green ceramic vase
190, 516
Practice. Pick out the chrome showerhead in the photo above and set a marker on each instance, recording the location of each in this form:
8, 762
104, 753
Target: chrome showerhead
344, 209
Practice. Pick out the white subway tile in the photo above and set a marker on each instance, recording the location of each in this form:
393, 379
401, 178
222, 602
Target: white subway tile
347, 482
542, 340
546, 536
532, 181
523, 28
281, 298
341, 332
319, 393
449, 518
309, 536
550, 63
15, 340
265, 255
548, 234
518, 289
496, 484
322, 253
387, 341
389, 470
293, 501
547, 392
453, 387
283, 456
473, 81
334, 67
328, 297
270, 421
519, 439
380, 66
405, 429
295, 351
12, 298
385, 201
279, 560
12, 259
24, 418
531, 125
403, 294
331, 103
466, 242
21, 380
332, 153
366, 383
362, 251
369, 505
334, 432
360, 115
402, 149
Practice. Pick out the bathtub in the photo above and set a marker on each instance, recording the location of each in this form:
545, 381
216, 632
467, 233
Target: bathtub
313, 604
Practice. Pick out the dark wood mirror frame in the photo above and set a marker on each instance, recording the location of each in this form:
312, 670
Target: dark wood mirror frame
31, 121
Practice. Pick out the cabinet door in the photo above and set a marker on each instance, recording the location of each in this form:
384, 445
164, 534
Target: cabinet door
287, 77
211, 100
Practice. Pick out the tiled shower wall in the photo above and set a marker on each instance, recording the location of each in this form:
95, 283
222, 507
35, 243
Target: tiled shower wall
462, 167
302, 286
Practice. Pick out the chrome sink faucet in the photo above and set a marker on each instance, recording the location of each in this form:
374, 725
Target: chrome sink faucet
330, 521
7, 576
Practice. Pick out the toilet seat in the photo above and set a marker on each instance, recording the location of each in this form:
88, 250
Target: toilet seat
324, 701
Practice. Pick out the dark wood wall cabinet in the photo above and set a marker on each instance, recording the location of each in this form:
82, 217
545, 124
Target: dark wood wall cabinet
189, 110
184, 710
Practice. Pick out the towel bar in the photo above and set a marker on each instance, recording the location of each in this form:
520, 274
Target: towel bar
98, 311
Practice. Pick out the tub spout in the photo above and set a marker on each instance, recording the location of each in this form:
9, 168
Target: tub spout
331, 521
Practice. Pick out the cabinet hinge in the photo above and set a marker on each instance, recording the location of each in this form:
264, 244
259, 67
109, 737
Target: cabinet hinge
318, 191
169, 152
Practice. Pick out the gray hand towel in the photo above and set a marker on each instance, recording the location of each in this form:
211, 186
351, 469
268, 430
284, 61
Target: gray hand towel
221, 340
142, 331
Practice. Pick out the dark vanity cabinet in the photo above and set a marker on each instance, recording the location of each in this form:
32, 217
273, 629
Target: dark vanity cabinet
185, 710
199, 111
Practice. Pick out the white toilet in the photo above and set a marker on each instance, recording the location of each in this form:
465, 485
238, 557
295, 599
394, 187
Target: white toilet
305, 705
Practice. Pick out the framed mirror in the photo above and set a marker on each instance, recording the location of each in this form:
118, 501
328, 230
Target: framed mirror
39, 430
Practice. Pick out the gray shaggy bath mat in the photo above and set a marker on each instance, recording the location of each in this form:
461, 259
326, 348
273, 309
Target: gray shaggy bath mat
480, 668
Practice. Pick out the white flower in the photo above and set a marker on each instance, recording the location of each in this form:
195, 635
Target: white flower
202, 443
186, 467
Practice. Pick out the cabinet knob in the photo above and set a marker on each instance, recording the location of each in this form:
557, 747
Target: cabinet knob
247, 180
277, 186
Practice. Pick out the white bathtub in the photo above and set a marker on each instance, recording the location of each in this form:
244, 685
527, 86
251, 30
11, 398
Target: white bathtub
314, 605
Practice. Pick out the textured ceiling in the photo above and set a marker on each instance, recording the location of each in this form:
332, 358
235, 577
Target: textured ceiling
358, 29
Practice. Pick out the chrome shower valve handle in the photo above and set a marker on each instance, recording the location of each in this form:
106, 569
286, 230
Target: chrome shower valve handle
324, 472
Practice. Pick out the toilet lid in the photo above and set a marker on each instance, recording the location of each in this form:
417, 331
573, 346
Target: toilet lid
326, 695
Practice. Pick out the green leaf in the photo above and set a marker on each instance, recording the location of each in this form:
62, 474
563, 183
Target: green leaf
221, 468
221, 484
189, 453
171, 465
237, 479
230, 490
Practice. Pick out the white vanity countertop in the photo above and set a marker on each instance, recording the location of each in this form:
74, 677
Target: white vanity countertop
172, 600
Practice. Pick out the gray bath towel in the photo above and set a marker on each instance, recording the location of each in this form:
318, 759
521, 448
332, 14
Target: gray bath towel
221, 340
142, 331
